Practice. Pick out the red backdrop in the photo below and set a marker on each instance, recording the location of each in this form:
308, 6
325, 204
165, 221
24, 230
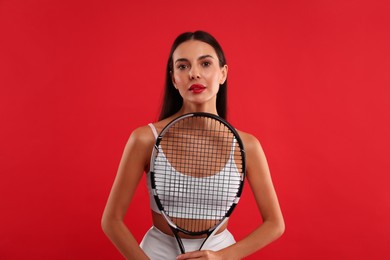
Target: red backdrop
309, 78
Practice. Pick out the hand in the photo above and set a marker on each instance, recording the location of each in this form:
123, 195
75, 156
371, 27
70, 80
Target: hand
204, 254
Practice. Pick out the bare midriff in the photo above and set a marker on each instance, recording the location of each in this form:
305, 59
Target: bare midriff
160, 223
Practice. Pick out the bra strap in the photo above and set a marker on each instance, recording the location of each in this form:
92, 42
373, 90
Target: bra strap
153, 130
232, 149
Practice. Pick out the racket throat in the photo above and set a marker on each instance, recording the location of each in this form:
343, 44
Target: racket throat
207, 240
179, 241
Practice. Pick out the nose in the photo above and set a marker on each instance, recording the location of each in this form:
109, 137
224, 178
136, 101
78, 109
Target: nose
194, 73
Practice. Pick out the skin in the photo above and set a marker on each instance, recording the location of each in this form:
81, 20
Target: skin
195, 62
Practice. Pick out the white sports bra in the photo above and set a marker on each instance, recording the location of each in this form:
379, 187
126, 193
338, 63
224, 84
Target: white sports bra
230, 166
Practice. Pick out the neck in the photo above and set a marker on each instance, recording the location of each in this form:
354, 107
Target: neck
192, 108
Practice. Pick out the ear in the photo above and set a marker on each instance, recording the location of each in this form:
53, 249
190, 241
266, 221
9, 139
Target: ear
224, 72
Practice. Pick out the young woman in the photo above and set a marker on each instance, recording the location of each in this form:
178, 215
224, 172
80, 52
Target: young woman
196, 81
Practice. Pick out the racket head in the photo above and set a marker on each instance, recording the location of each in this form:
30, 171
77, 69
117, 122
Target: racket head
197, 172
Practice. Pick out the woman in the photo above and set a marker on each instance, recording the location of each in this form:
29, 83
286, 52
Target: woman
195, 82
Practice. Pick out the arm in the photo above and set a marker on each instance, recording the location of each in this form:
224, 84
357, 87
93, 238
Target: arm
259, 178
131, 168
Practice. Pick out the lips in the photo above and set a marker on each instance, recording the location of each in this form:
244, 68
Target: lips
197, 88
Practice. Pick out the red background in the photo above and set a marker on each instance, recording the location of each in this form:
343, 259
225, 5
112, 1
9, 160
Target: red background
309, 78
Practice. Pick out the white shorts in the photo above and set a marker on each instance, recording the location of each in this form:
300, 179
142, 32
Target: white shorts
160, 246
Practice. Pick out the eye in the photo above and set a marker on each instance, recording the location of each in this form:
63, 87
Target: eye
182, 66
206, 64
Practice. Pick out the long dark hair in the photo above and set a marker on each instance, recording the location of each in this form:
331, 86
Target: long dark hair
172, 100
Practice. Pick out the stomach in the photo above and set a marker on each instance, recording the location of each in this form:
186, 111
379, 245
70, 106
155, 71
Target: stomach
160, 223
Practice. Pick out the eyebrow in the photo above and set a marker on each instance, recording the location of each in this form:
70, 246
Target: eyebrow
200, 58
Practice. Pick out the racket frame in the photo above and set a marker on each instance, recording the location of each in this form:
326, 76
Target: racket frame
175, 229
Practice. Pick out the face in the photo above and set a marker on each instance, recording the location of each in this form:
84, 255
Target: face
196, 72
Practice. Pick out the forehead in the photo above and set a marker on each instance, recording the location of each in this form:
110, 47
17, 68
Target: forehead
193, 49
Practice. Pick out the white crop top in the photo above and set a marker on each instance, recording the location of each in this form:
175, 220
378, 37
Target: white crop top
235, 181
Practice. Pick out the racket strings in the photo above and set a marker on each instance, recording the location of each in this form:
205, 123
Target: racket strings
197, 173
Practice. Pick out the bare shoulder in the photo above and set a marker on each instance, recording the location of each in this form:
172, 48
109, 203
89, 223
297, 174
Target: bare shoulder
256, 161
138, 148
141, 141
163, 123
250, 142
142, 135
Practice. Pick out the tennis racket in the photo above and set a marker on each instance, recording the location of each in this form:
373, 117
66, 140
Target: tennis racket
197, 174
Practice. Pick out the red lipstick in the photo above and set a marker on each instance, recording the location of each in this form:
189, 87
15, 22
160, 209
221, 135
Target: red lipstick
197, 88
